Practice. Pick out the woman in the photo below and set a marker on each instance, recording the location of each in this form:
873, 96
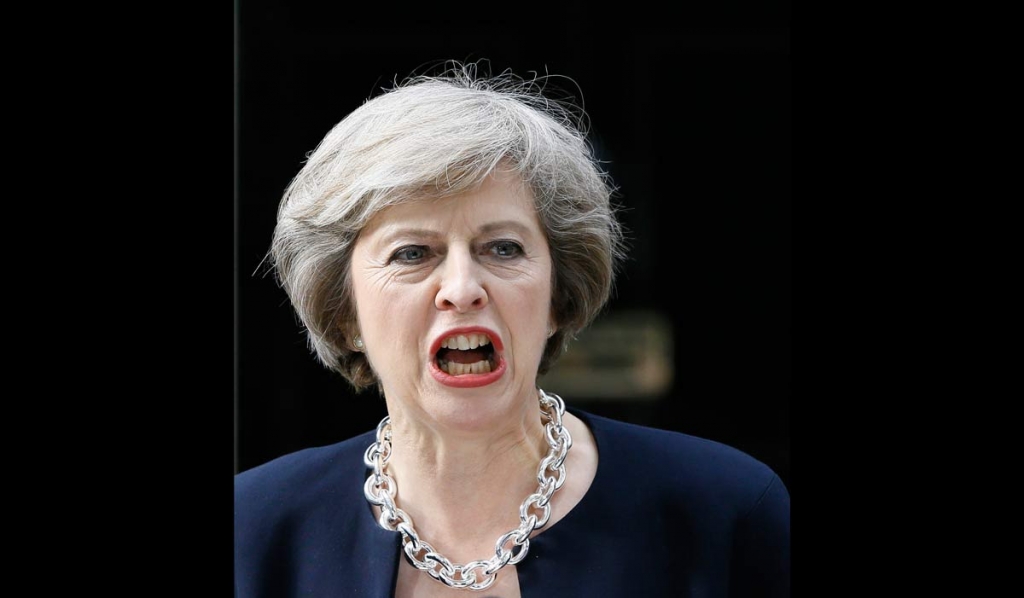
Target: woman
444, 243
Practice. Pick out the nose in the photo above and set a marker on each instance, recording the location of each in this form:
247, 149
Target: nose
461, 287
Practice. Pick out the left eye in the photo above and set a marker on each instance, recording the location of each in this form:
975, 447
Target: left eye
506, 249
412, 253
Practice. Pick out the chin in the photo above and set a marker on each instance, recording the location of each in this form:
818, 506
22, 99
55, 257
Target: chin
471, 408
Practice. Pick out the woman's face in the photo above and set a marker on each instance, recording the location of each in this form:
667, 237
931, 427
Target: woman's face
453, 298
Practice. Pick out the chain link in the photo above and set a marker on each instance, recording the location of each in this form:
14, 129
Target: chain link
380, 490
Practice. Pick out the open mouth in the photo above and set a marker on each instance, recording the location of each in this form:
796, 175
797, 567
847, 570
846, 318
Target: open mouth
462, 354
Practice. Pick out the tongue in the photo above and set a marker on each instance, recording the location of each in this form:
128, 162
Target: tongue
470, 356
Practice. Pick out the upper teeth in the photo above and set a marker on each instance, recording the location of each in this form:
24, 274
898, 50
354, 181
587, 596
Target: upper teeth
465, 341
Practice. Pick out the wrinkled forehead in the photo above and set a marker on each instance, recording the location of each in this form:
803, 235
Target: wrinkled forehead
500, 199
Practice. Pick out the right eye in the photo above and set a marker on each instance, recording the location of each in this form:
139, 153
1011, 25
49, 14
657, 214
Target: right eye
409, 254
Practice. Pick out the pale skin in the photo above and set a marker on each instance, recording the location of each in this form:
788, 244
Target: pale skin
463, 458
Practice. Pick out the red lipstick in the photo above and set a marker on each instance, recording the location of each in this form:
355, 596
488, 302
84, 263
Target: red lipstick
468, 380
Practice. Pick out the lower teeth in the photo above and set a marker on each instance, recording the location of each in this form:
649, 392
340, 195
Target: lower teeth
459, 369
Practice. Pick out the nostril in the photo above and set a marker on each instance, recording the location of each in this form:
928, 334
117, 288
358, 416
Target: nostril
461, 290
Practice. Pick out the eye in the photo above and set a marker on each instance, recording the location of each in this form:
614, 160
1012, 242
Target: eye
409, 254
506, 249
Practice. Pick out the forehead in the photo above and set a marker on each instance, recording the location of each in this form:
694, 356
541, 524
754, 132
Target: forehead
501, 197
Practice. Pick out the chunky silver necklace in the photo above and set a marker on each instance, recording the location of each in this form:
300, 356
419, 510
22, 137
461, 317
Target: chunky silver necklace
380, 490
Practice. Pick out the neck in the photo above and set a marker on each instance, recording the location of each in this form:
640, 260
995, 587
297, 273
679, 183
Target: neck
463, 488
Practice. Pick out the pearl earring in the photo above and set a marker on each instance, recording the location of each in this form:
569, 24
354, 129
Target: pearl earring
358, 342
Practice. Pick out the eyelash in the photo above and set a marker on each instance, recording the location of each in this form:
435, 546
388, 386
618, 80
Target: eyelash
517, 248
493, 247
396, 257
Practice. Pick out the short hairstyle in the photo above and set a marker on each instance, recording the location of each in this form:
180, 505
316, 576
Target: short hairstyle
433, 136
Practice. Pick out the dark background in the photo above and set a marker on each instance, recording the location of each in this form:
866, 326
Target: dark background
694, 117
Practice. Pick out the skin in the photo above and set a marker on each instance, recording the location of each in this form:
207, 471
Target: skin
463, 458
424, 268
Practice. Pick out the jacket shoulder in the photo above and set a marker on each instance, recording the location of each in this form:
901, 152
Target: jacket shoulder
681, 465
299, 479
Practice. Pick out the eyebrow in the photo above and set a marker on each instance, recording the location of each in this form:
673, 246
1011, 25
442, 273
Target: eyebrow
506, 224
407, 232
490, 227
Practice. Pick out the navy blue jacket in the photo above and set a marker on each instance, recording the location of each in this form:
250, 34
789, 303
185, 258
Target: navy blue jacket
667, 514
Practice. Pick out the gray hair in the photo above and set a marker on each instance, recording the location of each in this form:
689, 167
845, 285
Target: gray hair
433, 136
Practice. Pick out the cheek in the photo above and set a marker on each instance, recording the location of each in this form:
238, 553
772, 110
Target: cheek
368, 316
391, 317
533, 304
372, 289
546, 293
373, 308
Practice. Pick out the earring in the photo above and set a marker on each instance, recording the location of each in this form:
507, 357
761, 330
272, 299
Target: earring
358, 342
